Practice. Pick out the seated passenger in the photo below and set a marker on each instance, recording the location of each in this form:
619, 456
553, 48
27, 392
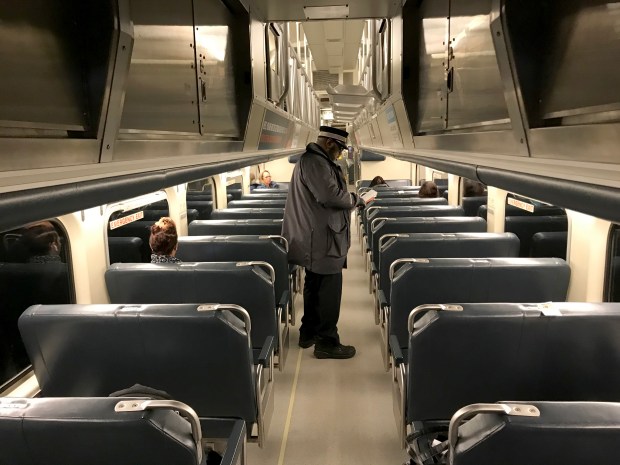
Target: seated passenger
378, 181
266, 182
428, 189
42, 242
164, 241
473, 188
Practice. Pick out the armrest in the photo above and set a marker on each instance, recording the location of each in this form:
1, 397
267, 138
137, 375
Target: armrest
382, 299
284, 300
233, 431
235, 443
373, 268
267, 351
397, 353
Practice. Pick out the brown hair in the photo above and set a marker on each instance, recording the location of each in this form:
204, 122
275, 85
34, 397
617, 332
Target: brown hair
163, 240
428, 190
40, 238
377, 180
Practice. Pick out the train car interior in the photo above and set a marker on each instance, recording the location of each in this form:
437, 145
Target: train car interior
482, 283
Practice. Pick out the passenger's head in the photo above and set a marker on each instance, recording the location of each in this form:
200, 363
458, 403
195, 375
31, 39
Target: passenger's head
428, 189
332, 140
377, 180
163, 240
472, 188
265, 178
41, 239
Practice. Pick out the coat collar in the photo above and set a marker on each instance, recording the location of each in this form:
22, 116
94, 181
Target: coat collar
315, 148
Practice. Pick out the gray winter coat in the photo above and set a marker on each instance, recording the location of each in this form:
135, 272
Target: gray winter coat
317, 214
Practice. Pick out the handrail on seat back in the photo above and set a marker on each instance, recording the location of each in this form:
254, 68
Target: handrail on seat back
536, 433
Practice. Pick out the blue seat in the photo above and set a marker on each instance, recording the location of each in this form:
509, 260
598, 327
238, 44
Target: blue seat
125, 249
129, 283
549, 244
258, 203
199, 354
268, 227
270, 249
102, 431
437, 245
526, 226
257, 195
485, 352
247, 213
472, 204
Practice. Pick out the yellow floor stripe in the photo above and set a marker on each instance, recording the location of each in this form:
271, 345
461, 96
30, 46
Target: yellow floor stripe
290, 410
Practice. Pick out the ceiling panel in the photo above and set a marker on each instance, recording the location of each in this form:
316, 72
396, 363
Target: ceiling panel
334, 48
334, 61
334, 30
293, 10
317, 33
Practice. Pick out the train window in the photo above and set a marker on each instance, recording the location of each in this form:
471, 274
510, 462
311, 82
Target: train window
129, 228
612, 284
35, 269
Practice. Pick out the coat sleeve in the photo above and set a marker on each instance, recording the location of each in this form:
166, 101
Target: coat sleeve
319, 178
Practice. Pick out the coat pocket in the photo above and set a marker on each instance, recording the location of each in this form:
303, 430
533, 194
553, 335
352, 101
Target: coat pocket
337, 237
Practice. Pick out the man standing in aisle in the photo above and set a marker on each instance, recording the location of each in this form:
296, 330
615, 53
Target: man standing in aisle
316, 226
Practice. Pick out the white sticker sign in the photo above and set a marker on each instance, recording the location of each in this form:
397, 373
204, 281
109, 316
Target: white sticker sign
126, 220
522, 205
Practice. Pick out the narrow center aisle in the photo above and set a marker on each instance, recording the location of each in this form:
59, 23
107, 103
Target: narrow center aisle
341, 410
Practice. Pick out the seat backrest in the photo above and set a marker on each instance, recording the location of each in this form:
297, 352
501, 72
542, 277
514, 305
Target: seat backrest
155, 215
140, 229
380, 227
206, 282
445, 280
258, 203
472, 204
238, 249
284, 189
526, 226
204, 207
256, 195
511, 210
399, 202
549, 244
570, 433
446, 245
125, 249
413, 211
247, 213
389, 182
255, 227
511, 351
201, 358
234, 192
91, 431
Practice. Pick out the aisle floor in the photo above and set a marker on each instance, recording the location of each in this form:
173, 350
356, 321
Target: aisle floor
335, 412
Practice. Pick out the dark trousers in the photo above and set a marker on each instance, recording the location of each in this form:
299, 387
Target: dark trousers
322, 295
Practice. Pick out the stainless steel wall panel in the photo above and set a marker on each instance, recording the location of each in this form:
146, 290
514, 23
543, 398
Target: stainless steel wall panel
50, 79
477, 94
161, 92
583, 71
39, 154
490, 142
595, 143
433, 31
216, 43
